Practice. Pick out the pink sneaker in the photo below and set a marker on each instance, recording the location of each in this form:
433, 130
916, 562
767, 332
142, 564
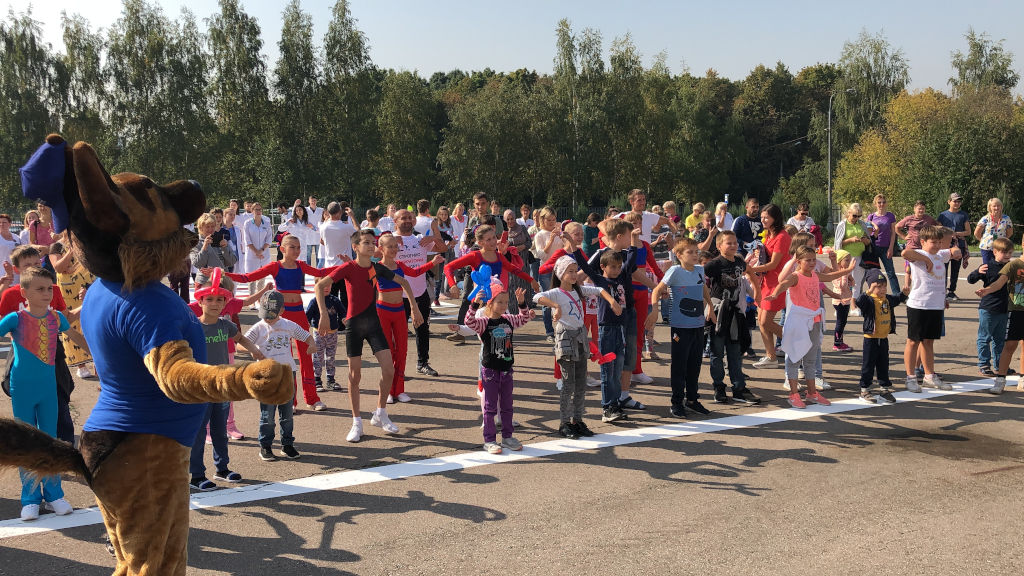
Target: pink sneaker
796, 402
817, 398
841, 347
235, 433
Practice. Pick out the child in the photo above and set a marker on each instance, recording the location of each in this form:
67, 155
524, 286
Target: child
617, 267
289, 275
273, 336
992, 314
877, 308
926, 305
1011, 276
690, 295
841, 286
801, 336
34, 333
218, 331
567, 299
391, 310
363, 325
730, 281
326, 344
495, 331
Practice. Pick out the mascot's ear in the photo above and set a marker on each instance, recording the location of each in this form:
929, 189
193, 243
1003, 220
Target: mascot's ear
187, 199
97, 190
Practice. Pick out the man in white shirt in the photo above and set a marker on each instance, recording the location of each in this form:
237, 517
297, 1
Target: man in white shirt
240, 219
314, 214
336, 236
425, 223
412, 251
650, 220
259, 237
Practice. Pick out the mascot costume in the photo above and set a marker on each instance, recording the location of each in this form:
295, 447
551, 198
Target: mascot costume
149, 352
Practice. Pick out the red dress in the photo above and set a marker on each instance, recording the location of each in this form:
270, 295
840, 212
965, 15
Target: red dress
769, 280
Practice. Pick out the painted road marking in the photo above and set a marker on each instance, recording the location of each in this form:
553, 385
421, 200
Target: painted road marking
230, 496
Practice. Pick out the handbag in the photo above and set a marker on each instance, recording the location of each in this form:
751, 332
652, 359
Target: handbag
869, 258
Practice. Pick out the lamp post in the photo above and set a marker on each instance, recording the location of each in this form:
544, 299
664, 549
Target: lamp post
829, 175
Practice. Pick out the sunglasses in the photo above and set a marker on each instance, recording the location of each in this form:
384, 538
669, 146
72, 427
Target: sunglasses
855, 215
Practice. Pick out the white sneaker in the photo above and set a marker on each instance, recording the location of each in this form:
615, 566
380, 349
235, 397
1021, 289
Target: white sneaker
593, 382
356, 433
785, 383
558, 384
84, 372
391, 399
935, 381
60, 507
641, 378
1000, 384
821, 384
764, 362
318, 407
912, 385
855, 312
479, 392
403, 397
384, 422
30, 512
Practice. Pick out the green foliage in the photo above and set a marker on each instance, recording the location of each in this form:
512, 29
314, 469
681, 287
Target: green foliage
986, 64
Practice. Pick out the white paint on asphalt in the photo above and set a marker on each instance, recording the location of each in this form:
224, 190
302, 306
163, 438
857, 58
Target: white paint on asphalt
245, 494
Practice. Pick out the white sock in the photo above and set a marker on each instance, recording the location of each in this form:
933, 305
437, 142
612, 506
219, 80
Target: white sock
382, 412
356, 420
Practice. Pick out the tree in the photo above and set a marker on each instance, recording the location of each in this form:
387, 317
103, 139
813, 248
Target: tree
986, 63
83, 107
296, 86
405, 163
876, 73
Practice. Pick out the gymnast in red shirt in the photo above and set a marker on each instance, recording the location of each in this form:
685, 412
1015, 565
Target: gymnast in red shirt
289, 275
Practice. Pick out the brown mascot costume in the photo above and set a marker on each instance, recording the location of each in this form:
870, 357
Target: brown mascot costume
149, 352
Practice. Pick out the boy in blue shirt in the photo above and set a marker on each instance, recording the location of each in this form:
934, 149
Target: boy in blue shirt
684, 284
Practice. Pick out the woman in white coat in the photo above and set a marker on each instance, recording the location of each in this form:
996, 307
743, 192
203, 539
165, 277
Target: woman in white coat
258, 239
298, 225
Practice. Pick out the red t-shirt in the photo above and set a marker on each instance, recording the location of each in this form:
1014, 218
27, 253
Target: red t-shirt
359, 284
12, 300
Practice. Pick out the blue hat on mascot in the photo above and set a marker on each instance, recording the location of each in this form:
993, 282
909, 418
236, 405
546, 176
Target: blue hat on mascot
42, 179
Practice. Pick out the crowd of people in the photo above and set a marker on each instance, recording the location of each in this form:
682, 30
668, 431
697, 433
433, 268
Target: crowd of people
599, 287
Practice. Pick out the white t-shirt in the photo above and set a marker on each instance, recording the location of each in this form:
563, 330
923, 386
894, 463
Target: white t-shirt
928, 289
526, 222
572, 308
314, 215
422, 225
540, 240
413, 255
802, 226
726, 223
647, 222
276, 341
386, 224
8, 246
337, 238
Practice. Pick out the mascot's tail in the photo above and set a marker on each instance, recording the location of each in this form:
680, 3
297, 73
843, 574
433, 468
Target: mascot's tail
26, 447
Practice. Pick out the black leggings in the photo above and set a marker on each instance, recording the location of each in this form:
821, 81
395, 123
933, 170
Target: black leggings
842, 313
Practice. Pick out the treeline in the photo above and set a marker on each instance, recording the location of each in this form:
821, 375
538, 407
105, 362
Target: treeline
170, 98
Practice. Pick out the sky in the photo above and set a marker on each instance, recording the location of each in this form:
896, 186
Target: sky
732, 37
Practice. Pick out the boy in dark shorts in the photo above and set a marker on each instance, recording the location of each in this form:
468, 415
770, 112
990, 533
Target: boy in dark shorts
363, 325
926, 306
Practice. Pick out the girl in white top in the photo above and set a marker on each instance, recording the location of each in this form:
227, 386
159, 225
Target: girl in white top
572, 349
298, 225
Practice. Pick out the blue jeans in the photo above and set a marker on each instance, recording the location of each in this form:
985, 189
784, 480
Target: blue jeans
890, 270
732, 352
285, 413
217, 417
545, 284
987, 256
991, 336
611, 340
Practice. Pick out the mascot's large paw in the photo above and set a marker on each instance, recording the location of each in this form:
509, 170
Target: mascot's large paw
269, 382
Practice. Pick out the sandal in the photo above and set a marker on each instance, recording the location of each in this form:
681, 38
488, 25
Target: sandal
202, 484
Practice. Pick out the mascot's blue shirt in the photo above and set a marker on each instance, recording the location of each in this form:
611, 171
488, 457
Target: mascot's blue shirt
121, 330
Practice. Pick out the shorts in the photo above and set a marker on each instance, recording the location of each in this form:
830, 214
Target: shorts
924, 324
1015, 326
364, 326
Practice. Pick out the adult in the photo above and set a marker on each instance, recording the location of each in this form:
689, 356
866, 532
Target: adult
693, 219
412, 251
546, 242
258, 239
241, 217
446, 230
230, 232
525, 221
883, 223
482, 204
748, 227
802, 219
336, 235
852, 236
212, 250
298, 225
993, 225
314, 214
459, 221
387, 222
723, 220
774, 256
30, 217
956, 220
519, 239
41, 231
425, 224
649, 220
